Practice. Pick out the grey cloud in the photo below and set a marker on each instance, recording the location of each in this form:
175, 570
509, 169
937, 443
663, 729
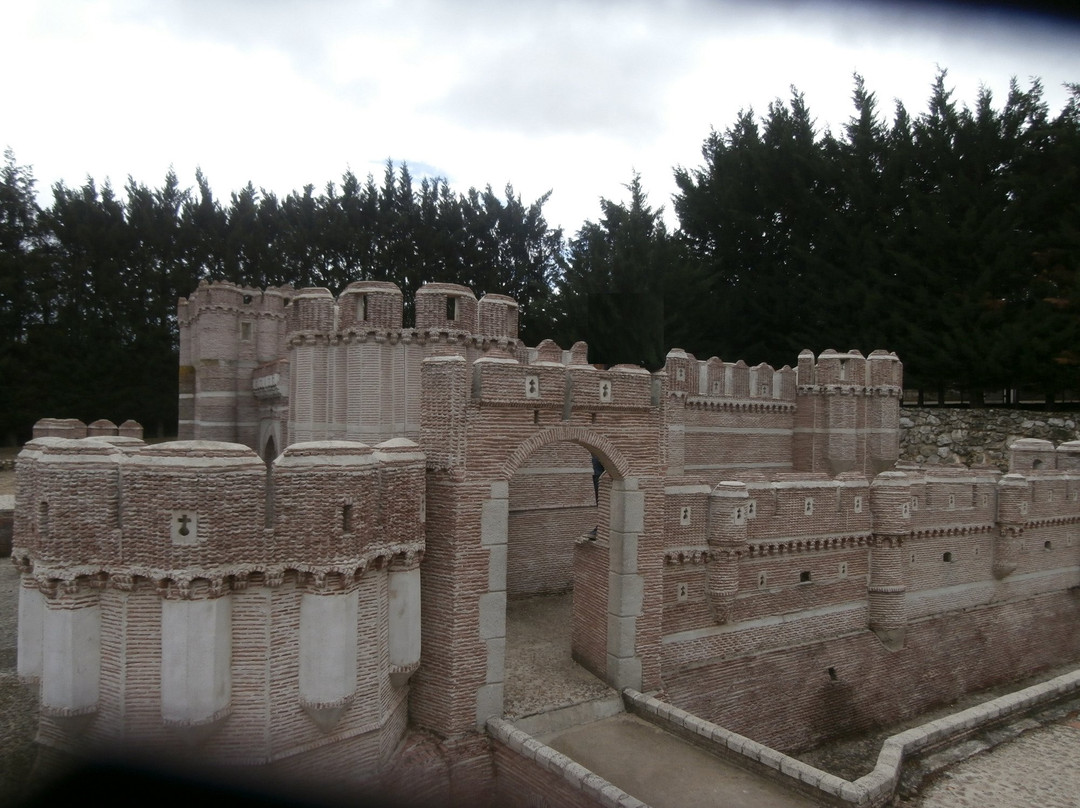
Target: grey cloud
591, 79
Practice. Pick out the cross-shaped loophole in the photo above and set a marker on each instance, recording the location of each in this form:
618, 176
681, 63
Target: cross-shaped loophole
184, 519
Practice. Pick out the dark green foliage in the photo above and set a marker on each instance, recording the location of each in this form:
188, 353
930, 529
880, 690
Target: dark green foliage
950, 238
88, 286
629, 289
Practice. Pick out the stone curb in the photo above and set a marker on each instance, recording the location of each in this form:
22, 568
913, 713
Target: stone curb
879, 786
589, 783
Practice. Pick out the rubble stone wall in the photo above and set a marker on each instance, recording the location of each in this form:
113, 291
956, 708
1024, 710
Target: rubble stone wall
942, 436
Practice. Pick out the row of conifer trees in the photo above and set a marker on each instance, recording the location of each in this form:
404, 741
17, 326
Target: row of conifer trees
951, 236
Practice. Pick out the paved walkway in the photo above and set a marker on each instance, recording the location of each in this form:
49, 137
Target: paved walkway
664, 771
1041, 769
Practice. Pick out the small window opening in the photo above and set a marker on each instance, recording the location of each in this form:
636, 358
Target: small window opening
684, 515
832, 674
858, 505
946, 557
1047, 545
843, 569
362, 308
451, 308
804, 577
245, 332
808, 506
346, 518
1038, 464
912, 558
843, 370
683, 593
43, 519
536, 416
247, 300
761, 579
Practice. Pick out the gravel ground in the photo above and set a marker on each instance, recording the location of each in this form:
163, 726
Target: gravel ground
1037, 769
539, 671
18, 703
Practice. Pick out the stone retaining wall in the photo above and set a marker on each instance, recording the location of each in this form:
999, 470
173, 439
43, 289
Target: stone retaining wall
942, 436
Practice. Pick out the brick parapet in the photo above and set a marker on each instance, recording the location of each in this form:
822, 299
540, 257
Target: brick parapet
715, 383
97, 513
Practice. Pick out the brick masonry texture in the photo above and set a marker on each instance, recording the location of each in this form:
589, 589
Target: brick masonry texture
333, 543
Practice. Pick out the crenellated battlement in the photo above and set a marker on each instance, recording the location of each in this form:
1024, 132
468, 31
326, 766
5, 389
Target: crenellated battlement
713, 381
881, 373
551, 384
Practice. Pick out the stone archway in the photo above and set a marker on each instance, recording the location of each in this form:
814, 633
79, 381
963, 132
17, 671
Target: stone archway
622, 664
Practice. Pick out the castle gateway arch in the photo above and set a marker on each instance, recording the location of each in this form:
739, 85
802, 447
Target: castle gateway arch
482, 422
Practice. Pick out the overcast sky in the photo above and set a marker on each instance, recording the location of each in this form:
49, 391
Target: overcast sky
570, 97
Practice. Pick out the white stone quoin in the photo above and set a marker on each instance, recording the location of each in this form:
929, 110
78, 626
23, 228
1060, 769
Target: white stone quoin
31, 624
404, 586
71, 658
196, 654
328, 651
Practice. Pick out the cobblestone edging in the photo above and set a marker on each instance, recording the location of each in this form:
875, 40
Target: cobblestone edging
592, 785
879, 786
941, 436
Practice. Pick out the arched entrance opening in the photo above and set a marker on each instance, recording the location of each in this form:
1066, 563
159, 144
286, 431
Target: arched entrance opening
603, 570
553, 515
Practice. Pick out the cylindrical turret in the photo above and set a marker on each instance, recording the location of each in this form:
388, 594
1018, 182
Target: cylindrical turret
1014, 502
370, 305
312, 310
446, 306
890, 502
727, 534
498, 316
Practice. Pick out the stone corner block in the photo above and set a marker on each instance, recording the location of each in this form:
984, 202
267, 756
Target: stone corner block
624, 672
489, 703
494, 521
492, 615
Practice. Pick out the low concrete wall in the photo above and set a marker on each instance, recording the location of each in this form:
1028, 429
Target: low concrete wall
942, 435
525, 766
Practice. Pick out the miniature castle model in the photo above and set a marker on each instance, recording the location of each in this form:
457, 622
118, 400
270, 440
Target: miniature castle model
316, 575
